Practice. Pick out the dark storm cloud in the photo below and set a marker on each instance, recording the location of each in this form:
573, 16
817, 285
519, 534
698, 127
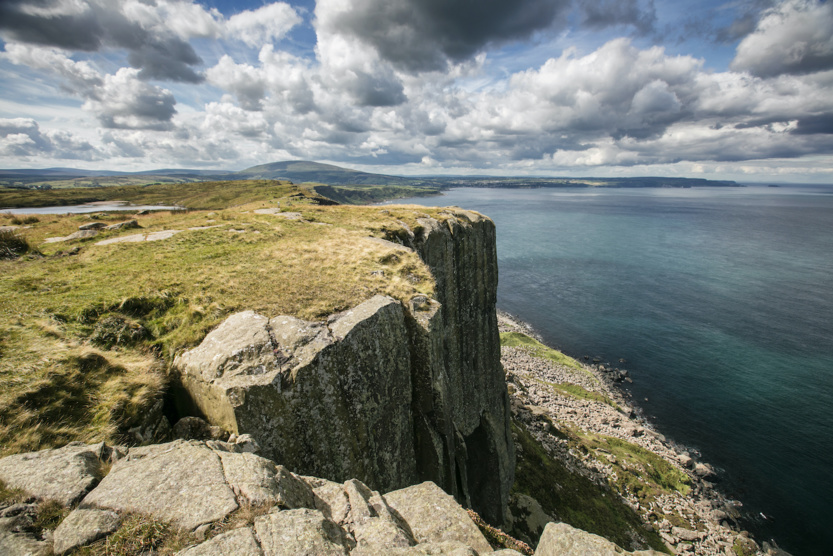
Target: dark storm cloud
376, 90
795, 38
599, 14
821, 124
745, 21
421, 35
100, 24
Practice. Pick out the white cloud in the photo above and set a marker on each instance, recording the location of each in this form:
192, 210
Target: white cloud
124, 101
264, 25
794, 37
23, 139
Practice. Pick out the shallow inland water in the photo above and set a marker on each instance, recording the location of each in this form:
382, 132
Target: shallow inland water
91, 207
721, 302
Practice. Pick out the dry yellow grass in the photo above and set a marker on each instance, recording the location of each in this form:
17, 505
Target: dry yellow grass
58, 387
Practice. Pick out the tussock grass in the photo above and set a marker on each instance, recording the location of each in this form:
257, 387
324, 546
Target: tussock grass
641, 472
199, 195
9, 496
537, 349
57, 392
12, 244
578, 392
139, 534
86, 330
573, 498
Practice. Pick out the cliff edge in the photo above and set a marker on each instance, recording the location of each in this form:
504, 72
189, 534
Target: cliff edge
387, 392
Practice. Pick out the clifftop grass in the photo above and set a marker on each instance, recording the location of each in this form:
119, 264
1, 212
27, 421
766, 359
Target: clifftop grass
147, 301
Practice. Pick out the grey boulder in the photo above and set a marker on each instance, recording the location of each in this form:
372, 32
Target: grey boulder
64, 474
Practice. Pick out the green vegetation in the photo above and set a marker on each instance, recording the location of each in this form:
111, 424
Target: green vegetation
9, 496
497, 538
86, 330
364, 194
139, 534
35, 182
304, 171
641, 472
575, 499
537, 349
195, 196
578, 392
13, 245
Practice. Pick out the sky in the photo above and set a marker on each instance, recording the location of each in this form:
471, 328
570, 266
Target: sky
734, 89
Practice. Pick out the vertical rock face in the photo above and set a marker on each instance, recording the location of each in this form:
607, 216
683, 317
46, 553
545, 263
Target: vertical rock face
463, 435
389, 394
328, 399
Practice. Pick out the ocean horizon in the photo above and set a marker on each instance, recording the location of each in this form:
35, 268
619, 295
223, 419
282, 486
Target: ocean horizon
719, 302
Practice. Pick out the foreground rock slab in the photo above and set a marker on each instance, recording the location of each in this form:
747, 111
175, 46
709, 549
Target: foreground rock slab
82, 527
240, 542
180, 482
559, 539
65, 474
434, 516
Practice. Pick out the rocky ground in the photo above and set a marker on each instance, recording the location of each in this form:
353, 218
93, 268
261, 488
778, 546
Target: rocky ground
700, 521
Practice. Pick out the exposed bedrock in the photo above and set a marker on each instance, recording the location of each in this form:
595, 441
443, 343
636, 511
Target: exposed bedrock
387, 393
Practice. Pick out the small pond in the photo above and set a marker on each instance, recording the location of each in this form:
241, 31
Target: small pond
90, 207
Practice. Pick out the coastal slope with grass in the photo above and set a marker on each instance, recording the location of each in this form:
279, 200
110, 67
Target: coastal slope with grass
588, 458
274, 304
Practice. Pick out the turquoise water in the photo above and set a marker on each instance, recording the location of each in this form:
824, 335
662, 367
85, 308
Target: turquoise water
720, 301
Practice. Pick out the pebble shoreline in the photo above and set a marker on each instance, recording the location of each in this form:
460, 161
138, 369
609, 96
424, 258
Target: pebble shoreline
710, 528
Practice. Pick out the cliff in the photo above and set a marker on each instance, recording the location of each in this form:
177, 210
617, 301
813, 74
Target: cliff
387, 392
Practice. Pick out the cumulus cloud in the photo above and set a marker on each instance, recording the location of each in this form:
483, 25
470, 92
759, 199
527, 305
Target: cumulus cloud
599, 14
155, 33
122, 100
261, 26
23, 138
795, 37
94, 24
421, 35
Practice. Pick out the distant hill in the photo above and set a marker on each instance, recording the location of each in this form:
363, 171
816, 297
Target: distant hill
342, 184
300, 171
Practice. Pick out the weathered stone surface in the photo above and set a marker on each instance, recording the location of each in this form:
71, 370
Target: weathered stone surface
370, 519
138, 238
154, 426
461, 404
259, 481
126, 225
328, 400
83, 526
434, 516
301, 531
15, 544
192, 428
82, 234
528, 517
331, 499
181, 482
92, 226
381, 394
238, 542
448, 548
559, 539
686, 534
65, 474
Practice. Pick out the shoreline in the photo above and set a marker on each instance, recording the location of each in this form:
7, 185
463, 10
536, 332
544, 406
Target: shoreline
704, 521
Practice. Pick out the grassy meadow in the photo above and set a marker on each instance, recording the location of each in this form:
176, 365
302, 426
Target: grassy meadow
87, 330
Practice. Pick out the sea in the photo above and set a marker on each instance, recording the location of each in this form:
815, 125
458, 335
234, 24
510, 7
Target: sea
720, 303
